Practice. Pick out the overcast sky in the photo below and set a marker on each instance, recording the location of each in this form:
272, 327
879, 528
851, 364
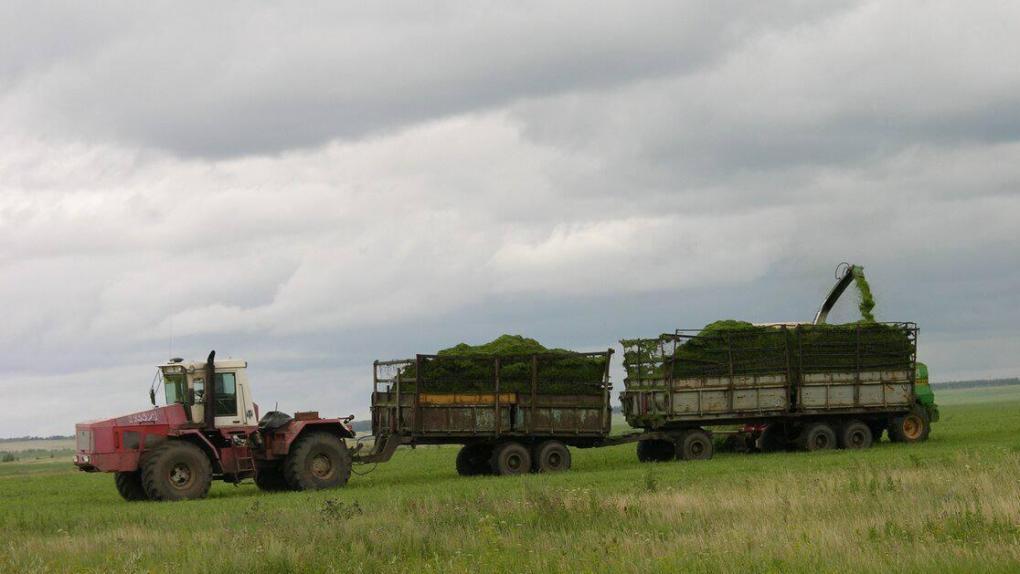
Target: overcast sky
314, 187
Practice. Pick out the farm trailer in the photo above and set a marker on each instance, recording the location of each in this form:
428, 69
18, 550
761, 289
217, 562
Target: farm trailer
512, 413
790, 385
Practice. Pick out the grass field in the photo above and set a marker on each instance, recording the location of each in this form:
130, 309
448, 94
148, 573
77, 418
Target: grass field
949, 505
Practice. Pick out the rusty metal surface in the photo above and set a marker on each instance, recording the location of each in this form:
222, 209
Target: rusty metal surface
836, 375
405, 405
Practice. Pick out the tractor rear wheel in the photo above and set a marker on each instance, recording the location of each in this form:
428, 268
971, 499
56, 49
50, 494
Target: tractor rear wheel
855, 434
473, 459
176, 470
269, 478
655, 450
551, 456
817, 436
316, 461
911, 427
129, 485
696, 444
510, 458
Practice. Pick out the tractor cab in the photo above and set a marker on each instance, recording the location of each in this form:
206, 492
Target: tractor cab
224, 389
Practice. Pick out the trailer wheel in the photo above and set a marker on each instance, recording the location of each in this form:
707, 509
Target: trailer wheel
510, 458
176, 470
270, 478
473, 459
911, 427
655, 450
551, 456
855, 434
129, 485
316, 461
817, 436
696, 444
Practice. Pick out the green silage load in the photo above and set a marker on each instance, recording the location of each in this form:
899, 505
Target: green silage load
732, 347
472, 368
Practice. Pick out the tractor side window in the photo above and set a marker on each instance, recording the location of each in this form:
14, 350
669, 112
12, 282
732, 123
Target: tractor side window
174, 385
226, 395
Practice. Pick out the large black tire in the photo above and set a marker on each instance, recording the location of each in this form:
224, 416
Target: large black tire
773, 439
129, 485
473, 459
510, 458
817, 436
656, 450
695, 444
317, 461
270, 478
176, 470
551, 456
855, 434
911, 427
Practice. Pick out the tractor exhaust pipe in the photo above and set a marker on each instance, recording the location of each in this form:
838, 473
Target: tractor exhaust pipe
210, 390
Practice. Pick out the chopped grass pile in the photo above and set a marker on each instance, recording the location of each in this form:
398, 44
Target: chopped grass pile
741, 348
472, 368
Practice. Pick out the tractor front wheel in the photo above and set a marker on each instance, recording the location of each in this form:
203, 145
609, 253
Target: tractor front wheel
129, 485
316, 461
176, 470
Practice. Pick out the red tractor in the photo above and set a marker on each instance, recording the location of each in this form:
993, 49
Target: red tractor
210, 429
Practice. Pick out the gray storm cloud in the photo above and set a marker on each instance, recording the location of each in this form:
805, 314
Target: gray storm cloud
314, 187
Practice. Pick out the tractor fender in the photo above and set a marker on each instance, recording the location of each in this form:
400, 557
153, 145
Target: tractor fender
283, 438
201, 441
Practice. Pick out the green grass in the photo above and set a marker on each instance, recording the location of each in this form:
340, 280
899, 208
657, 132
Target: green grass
949, 505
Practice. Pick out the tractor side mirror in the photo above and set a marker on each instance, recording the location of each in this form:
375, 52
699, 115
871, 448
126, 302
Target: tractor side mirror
152, 396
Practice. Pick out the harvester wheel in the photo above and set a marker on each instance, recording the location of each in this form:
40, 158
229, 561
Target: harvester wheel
551, 456
855, 434
129, 485
316, 461
510, 458
270, 478
696, 444
473, 459
176, 470
817, 436
911, 427
655, 450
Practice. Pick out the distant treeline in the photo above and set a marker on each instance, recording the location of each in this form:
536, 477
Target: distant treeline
51, 437
977, 383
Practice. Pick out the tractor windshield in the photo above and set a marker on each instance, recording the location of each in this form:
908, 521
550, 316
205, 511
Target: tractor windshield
175, 388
